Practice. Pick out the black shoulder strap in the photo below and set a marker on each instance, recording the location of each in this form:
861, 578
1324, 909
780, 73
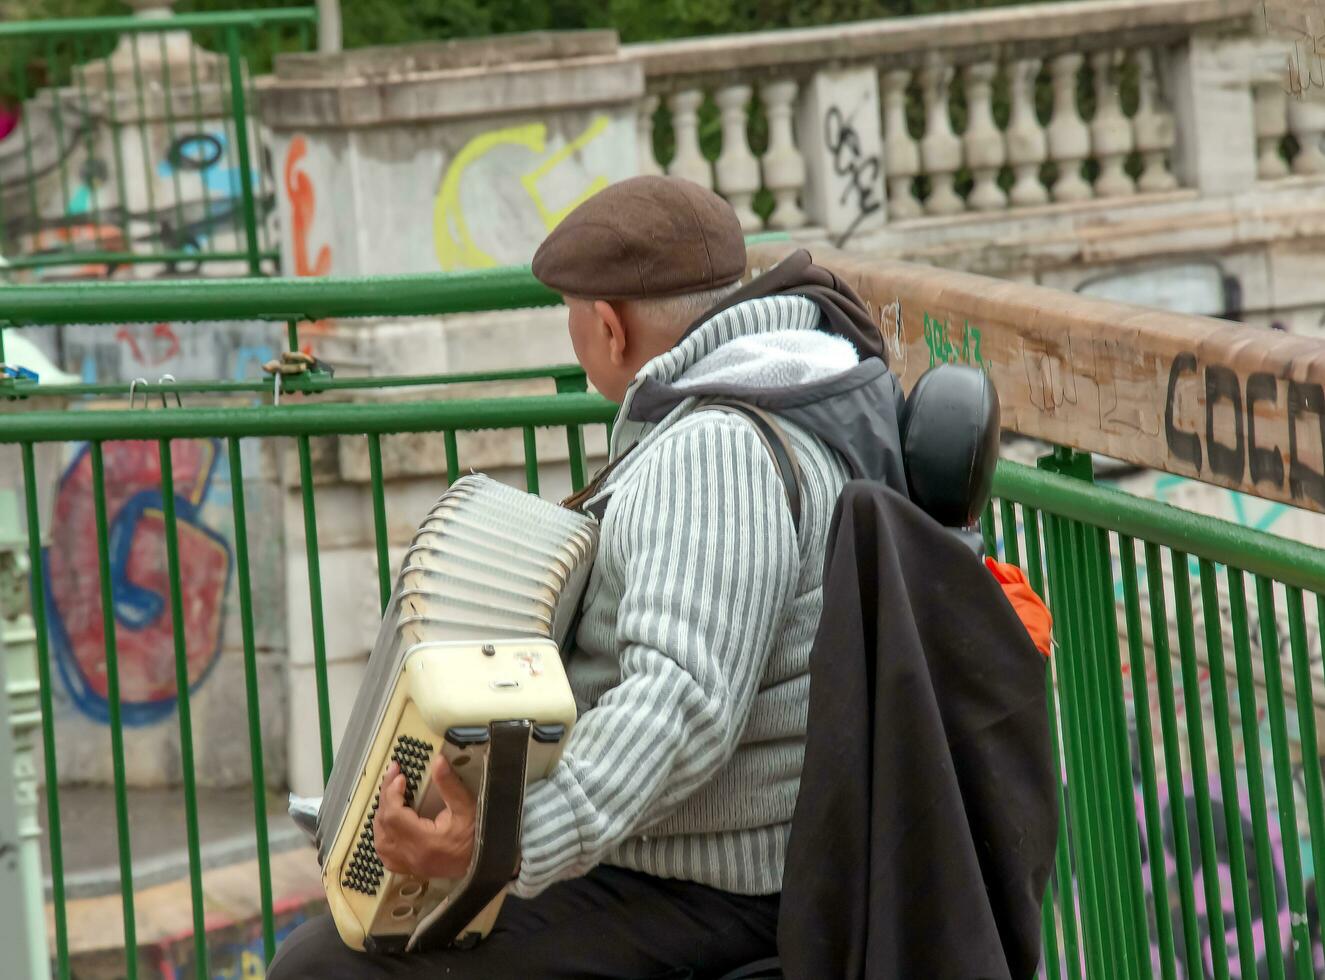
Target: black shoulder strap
775, 440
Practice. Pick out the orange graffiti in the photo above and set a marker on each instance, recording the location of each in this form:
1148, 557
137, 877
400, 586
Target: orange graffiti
100, 238
302, 205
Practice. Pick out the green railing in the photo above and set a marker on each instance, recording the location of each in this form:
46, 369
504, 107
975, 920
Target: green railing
302, 423
1165, 869
1182, 686
136, 143
288, 301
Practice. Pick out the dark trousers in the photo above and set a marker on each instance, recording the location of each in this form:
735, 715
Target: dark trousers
611, 924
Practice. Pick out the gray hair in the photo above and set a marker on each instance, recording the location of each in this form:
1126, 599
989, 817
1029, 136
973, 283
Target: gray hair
678, 312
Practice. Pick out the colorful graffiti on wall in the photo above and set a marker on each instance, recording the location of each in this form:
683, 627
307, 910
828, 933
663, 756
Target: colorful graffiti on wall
191, 197
140, 581
456, 245
303, 204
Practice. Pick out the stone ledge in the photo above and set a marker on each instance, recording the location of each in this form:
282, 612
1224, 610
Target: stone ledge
388, 61
462, 93
970, 35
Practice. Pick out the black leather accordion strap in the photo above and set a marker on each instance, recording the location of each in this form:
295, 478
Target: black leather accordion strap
497, 834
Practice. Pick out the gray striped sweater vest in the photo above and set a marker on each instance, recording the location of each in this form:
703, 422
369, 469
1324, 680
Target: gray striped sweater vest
691, 660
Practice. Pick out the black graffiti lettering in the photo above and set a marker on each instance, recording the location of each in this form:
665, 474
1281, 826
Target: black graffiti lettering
1264, 465
1303, 480
1185, 446
843, 142
1221, 384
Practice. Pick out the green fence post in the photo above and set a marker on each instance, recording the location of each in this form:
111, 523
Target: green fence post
239, 111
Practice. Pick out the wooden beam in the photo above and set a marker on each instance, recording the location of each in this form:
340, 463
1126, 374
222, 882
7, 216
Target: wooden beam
1218, 401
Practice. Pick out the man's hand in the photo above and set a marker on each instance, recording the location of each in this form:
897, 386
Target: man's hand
409, 844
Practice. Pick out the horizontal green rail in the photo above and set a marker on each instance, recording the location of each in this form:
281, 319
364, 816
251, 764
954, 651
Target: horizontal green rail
569, 377
274, 299
1219, 541
74, 257
154, 25
308, 420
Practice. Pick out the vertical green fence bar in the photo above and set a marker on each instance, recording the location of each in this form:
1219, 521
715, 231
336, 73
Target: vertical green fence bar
185, 714
1136, 659
379, 517
94, 197
1063, 879
1048, 918
1228, 775
531, 459
169, 112
1113, 873
1205, 821
148, 177
252, 697
116, 722
1306, 727
121, 186
54, 827
57, 122
1168, 718
575, 447
239, 111
21, 80
199, 128
1299, 935
452, 456
1131, 886
315, 603
1079, 819
1251, 742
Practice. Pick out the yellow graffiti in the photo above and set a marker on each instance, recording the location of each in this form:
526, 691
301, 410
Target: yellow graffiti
456, 248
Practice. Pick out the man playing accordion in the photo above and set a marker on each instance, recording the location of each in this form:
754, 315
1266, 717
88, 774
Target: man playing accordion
656, 846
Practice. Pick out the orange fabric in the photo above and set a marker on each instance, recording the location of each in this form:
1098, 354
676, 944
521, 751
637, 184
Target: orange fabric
1029, 607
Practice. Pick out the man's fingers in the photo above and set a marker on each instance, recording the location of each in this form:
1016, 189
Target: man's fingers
455, 794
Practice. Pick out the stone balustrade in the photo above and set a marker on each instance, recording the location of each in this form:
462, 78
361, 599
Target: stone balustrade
844, 129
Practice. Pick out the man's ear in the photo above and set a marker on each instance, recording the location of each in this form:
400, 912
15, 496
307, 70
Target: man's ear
609, 314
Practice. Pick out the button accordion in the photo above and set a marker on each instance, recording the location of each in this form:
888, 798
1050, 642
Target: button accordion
467, 662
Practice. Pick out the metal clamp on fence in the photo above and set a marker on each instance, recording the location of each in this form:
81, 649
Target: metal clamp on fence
165, 379
12, 372
294, 363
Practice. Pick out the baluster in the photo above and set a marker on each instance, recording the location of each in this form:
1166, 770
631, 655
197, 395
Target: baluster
783, 165
1306, 119
736, 168
1153, 129
1027, 145
940, 149
689, 161
1110, 130
1271, 126
648, 163
1069, 138
901, 155
985, 151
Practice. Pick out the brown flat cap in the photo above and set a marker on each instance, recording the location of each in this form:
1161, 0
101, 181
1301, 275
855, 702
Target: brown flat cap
642, 238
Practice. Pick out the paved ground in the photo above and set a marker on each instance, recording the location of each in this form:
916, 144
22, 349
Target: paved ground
157, 832
162, 895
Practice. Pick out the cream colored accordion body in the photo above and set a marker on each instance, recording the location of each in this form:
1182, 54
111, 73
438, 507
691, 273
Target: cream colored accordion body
467, 662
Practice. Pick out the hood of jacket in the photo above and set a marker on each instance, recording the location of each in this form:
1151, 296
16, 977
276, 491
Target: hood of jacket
779, 353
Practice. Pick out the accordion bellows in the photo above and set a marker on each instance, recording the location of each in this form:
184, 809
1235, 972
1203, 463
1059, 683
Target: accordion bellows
467, 662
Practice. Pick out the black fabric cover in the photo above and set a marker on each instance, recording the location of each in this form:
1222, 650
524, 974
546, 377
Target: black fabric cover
926, 822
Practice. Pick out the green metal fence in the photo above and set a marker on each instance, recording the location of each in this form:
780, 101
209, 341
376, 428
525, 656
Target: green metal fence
1196, 850
136, 144
1183, 686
